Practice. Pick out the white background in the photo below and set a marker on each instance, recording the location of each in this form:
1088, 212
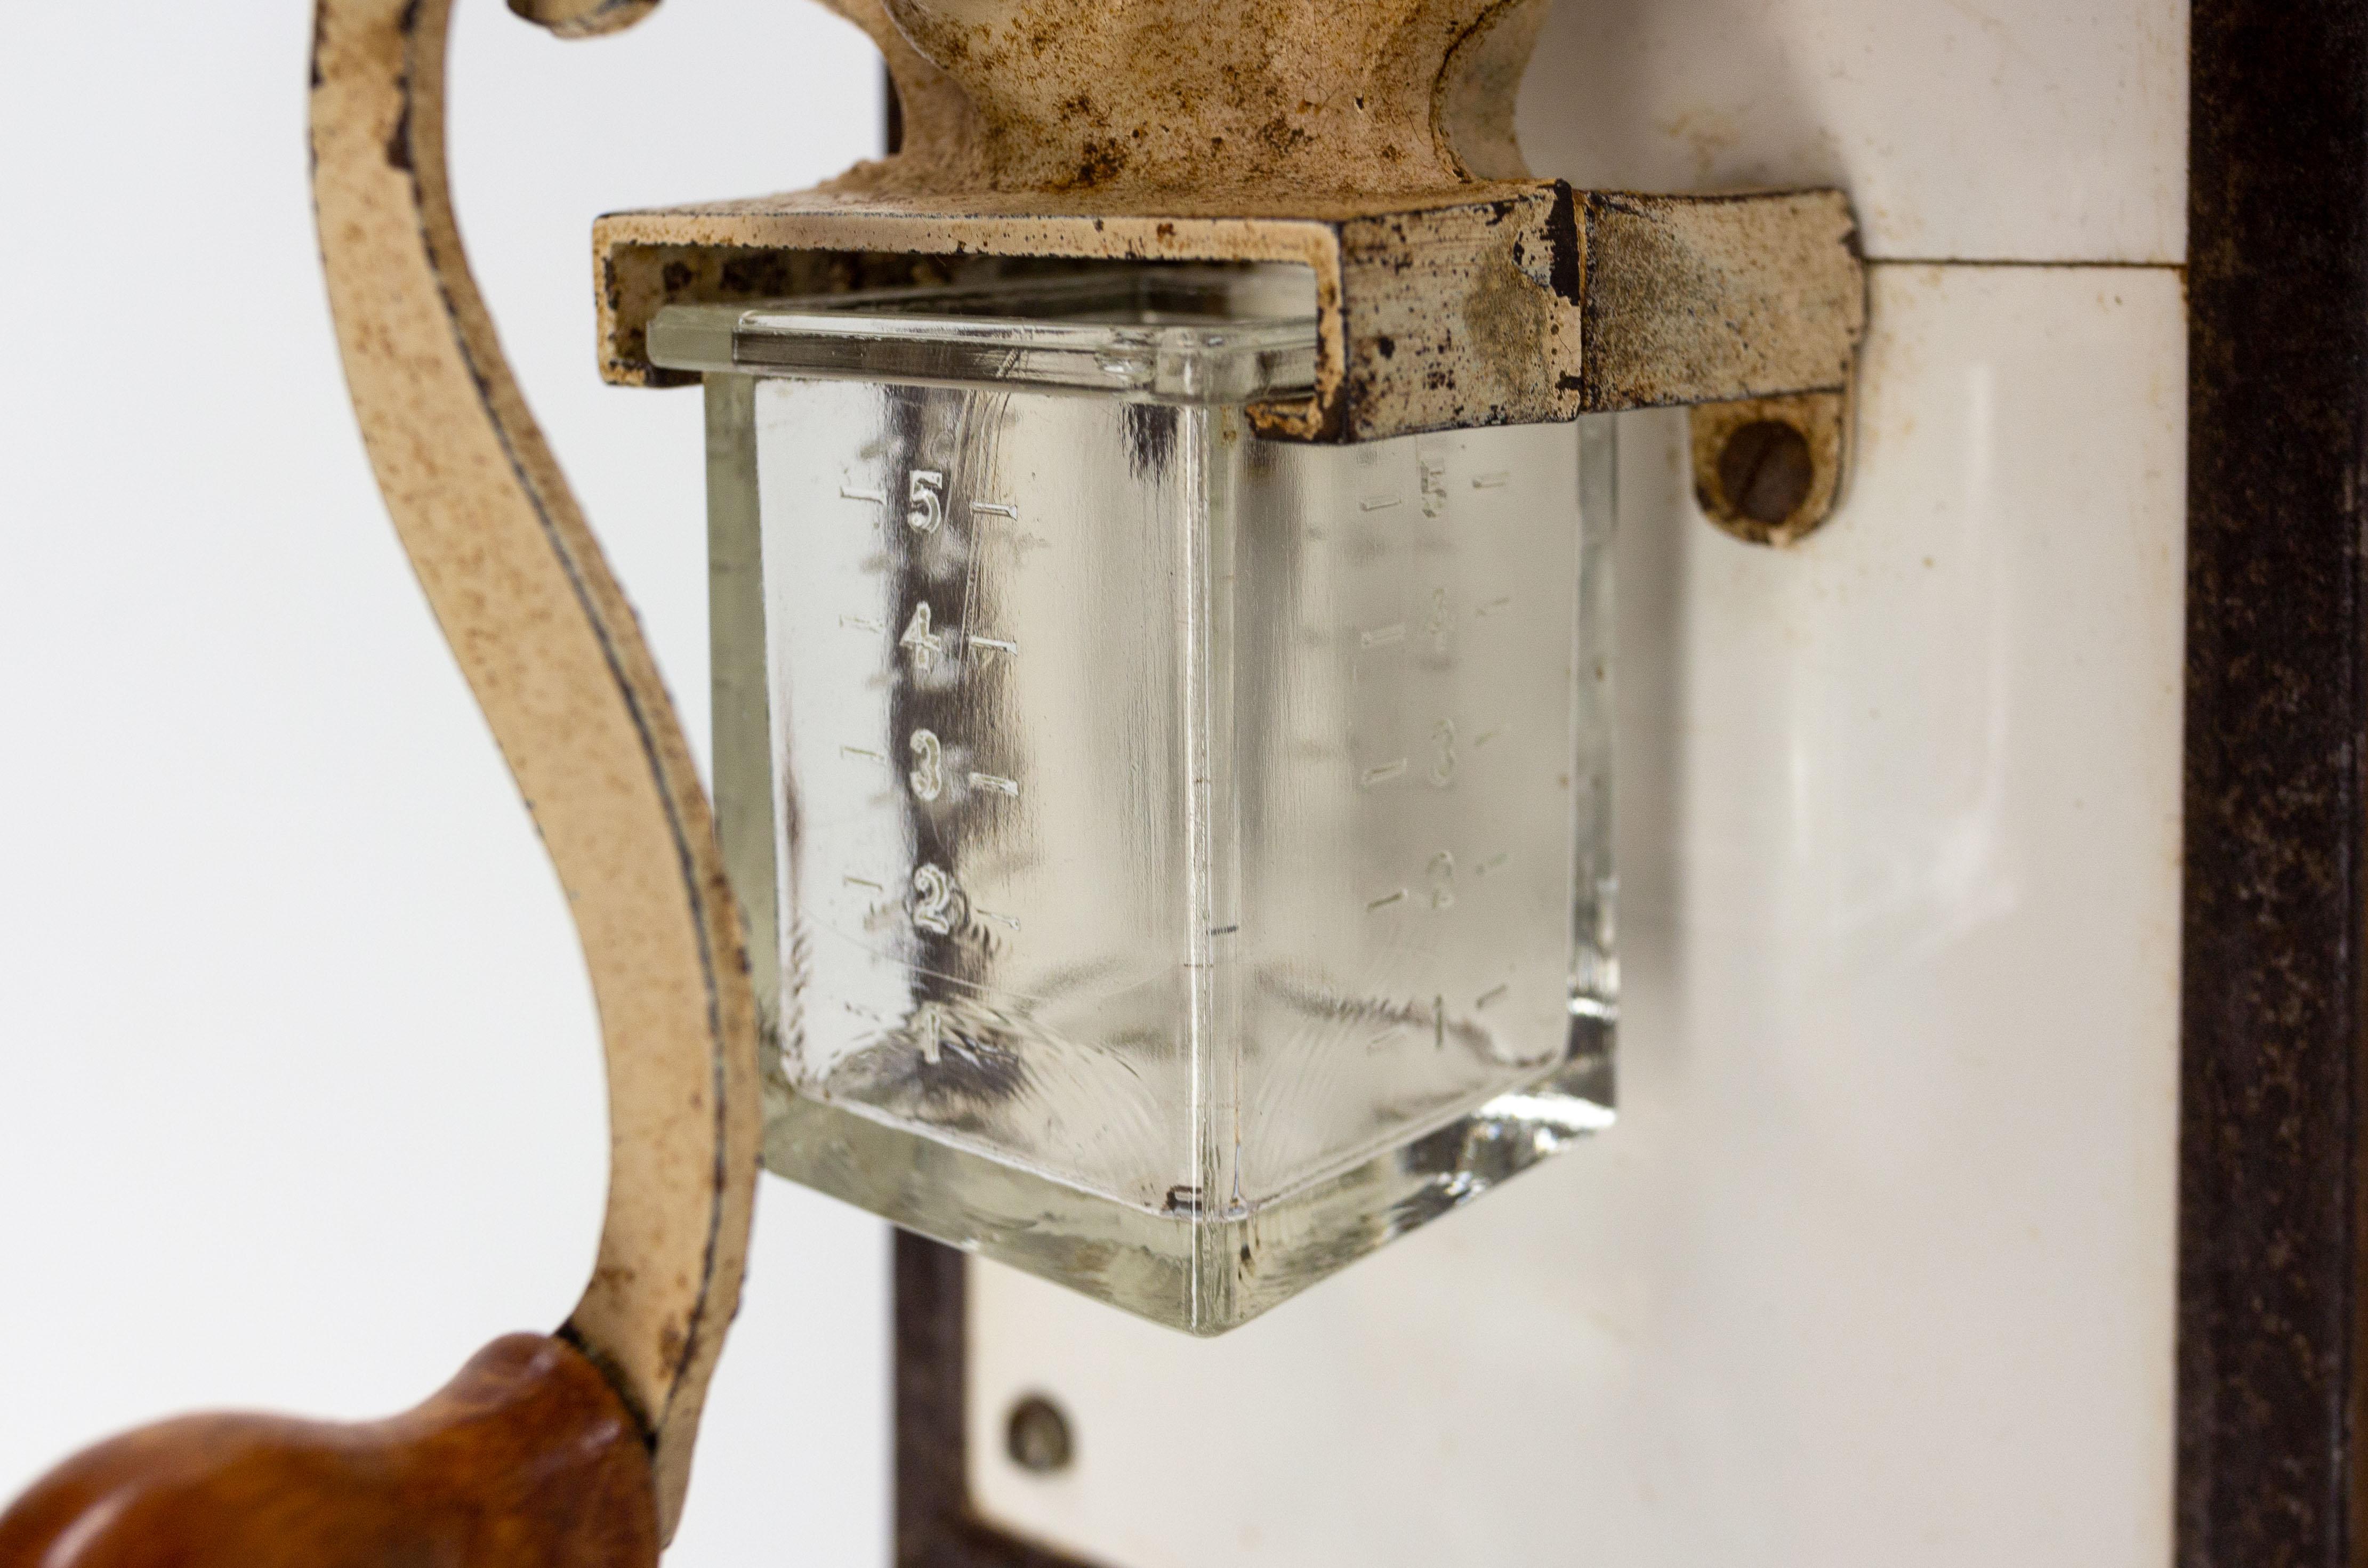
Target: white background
300, 1093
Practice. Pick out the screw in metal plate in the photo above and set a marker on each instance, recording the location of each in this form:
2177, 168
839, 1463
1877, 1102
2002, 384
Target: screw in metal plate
1772, 469
1036, 1435
1765, 470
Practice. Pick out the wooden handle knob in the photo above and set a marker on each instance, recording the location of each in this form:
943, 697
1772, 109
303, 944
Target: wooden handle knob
527, 1459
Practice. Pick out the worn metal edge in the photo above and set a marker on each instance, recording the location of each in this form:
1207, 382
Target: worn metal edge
1504, 302
1715, 299
2270, 1396
647, 260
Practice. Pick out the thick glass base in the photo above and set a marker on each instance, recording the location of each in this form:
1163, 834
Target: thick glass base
1202, 1273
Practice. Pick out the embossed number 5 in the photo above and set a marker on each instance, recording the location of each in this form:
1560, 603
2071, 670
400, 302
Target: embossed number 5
924, 487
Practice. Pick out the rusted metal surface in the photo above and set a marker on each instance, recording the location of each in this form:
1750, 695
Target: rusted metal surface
557, 660
1357, 97
1734, 488
1484, 304
1472, 107
2273, 1102
1370, 140
1710, 299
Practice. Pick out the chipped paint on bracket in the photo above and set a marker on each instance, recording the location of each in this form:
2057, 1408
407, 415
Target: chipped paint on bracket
1503, 303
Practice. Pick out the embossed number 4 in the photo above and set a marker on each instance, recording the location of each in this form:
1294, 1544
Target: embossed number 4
919, 640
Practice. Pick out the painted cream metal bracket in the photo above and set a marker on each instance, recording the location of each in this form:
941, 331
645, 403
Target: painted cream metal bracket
1370, 142
557, 662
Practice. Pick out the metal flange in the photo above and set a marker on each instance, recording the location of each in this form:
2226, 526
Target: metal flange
1499, 302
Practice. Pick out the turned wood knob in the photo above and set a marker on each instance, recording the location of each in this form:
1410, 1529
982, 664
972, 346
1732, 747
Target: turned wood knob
527, 1459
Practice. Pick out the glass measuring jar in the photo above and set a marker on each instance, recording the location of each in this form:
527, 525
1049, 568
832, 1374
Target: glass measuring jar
1176, 861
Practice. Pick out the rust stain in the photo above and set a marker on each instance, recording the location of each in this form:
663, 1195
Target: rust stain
1507, 318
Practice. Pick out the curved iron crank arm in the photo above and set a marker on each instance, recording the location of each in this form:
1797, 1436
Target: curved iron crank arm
575, 1448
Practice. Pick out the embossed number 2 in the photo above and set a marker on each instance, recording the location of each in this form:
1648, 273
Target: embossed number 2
940, 901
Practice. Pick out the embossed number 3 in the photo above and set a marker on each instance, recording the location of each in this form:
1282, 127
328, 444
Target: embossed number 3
940, 904
929, 777
924, 488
